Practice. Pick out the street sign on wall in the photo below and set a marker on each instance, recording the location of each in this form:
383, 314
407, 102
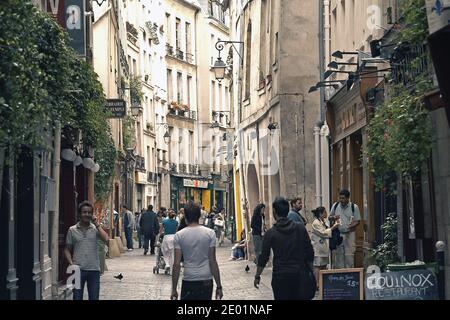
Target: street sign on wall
118, 107
75, 24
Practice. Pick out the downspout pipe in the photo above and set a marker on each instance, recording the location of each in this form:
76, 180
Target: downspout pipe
55, 223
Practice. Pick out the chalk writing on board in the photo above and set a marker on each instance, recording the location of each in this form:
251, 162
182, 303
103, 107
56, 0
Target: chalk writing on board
402, 285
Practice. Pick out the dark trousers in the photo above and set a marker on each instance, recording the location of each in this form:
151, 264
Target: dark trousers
140, 238
196, 290
129, 237
283, 288
93, 285
151, 238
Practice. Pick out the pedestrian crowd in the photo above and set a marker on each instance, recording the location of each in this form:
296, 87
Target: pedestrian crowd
188, 239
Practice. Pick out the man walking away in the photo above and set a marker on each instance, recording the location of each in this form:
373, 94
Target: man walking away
128, 225
82, 240
197, 244
137, 223
350, 217
296, 214
257, 229
292, 251
149, 228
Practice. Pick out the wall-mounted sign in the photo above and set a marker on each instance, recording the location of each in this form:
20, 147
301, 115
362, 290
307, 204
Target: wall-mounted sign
417, 284
118, 107
75, 24
438, 12
195, 183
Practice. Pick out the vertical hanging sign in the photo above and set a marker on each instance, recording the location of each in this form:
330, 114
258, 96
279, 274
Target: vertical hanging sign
74, 23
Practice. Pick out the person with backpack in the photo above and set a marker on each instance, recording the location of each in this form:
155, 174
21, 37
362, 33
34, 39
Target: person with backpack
350, 218
292, 278
320, 235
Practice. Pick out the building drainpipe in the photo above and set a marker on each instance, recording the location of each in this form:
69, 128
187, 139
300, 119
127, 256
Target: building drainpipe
55, 220
318, 164
317, 127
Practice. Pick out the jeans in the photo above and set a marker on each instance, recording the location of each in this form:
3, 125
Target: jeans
257, 242
151, 238
129, 237
283, 288
238, 253
93, 285
196, 290
140, 237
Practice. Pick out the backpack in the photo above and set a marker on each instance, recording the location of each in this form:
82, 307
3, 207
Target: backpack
336, 238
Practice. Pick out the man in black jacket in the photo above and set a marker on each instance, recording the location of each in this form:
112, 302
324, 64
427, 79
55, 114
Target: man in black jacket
149, 228
292, 250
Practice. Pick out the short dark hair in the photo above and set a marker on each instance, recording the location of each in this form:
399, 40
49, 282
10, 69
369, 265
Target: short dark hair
318, 211
281, 206
150, 207
125, 206
192, 212
294, 200
85, 204
345, 193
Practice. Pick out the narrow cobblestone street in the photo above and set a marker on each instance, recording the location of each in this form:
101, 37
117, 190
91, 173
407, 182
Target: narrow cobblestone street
139, 282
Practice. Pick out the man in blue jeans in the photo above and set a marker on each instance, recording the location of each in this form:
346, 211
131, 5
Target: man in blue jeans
82, 241
128, 226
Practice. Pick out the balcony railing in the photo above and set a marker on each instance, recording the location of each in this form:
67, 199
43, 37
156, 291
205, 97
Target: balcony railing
169, 49
132, 33
180, 54
410, 64
140, 163
152, 177
190, 58
173, 167
184, 114
194, 169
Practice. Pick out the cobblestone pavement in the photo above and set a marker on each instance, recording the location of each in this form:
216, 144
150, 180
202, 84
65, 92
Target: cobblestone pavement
139, 282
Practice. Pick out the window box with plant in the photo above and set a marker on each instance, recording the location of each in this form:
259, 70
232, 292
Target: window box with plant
149, 126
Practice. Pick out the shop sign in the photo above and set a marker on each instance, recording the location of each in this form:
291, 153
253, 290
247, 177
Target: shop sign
195, 183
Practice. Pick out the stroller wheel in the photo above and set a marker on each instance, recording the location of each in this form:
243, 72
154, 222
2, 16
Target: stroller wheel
157, 271
154, 271
167, 271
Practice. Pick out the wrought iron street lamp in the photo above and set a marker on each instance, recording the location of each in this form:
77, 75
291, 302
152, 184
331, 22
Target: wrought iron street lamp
136, 109
220, 66
219, 69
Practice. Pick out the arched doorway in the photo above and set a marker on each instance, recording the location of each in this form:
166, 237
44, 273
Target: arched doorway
252, 187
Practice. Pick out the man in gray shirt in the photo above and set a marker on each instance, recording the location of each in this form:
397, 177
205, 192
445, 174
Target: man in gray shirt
82, 240
295, 213
197, 244
350, 218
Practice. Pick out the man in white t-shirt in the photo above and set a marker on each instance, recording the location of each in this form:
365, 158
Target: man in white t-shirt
197, 245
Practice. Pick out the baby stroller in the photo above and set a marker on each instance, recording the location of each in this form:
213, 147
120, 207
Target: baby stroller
160, 263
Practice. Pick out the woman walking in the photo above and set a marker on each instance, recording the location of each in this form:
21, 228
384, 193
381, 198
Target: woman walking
257, 229
321, 233
219, 224
169, 227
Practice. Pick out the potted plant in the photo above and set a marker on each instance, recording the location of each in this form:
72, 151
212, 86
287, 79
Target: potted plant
149, 126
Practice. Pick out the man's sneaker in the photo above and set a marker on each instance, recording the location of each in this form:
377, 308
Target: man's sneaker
145, 252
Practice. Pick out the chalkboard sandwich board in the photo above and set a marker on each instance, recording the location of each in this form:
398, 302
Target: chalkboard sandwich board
341, 284
416, 284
